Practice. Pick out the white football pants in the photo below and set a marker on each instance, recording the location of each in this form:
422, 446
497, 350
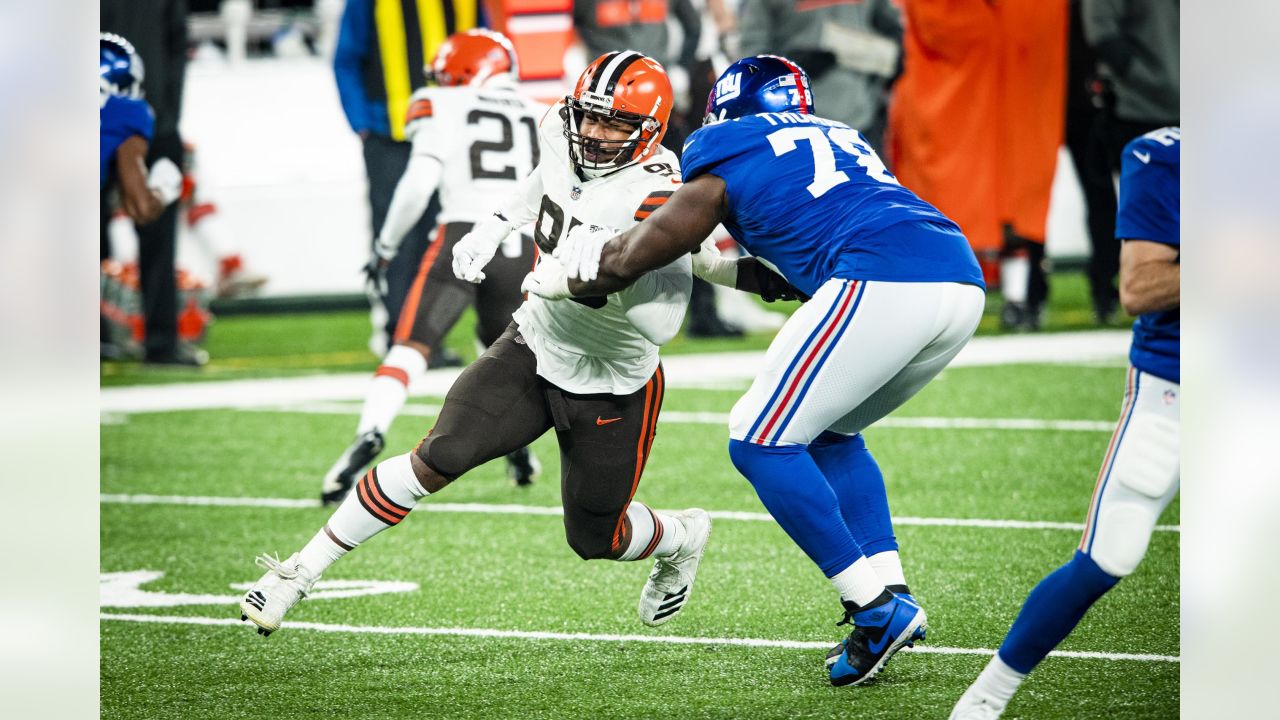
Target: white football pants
1140, 474
853, 354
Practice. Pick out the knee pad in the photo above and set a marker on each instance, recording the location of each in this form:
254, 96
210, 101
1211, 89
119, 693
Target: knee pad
1147, 460
445, 455
588, 540
1124, 531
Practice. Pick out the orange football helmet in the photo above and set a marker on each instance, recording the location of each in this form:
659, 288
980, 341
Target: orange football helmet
626, 86
471, 57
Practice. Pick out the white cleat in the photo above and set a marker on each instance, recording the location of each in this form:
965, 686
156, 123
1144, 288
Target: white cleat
276, 592
671, 581
975, 707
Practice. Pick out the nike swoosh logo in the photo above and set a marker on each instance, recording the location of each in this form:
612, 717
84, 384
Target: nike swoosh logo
1144, 157
600, 421
879, 645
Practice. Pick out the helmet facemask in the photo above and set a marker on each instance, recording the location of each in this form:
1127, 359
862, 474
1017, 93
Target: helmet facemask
595, 157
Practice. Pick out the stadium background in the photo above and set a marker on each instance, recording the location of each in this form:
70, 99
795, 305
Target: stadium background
276, 155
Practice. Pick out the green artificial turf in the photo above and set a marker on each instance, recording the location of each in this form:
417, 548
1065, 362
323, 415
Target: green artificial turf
514, 572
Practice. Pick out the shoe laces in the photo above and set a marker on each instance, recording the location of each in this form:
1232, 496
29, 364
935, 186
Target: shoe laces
274, 565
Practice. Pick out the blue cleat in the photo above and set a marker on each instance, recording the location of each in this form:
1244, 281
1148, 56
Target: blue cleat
917, 636
878, 633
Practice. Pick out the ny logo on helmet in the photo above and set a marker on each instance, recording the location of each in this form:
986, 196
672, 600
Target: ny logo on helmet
729, 87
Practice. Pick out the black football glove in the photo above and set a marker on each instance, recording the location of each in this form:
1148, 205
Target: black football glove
375, 276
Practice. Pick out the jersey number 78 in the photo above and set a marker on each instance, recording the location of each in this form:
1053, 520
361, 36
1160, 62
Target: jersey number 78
821, 142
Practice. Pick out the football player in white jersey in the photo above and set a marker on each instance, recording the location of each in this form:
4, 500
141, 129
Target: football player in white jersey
588, 368
474, 137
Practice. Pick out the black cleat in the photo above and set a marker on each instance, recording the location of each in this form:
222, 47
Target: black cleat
344, 473
523, 467
243, 617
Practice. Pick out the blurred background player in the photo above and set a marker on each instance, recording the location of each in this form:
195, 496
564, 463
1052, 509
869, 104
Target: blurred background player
474, 137
126, 126
589, 370
1140, 472
158, 31
851, 51
231, 276
382, 49
883, 270
1132, 51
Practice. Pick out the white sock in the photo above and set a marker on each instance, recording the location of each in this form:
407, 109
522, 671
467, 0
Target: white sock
998, 681
888, 567
858, 583
652, 533
381, 499
1015, 277
390, 388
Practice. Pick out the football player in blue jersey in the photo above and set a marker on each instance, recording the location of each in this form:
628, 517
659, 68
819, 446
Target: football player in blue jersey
125, 127
895, 293
1140, 472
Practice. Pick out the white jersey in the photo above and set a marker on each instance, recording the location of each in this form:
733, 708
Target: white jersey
486, 139
581, 349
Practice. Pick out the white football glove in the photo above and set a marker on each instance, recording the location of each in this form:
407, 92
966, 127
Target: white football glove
579, 251
477, 248
548, 280
165, 180
713, 267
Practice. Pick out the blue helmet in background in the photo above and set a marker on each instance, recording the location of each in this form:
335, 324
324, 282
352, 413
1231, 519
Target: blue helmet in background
119, 67
760, 84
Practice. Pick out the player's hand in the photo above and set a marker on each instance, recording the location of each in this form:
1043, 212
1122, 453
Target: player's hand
548, 280
478, 247
375, 276
579, 251
165, 180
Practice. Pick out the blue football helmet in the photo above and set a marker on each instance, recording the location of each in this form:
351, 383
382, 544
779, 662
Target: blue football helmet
119, 67
760, 84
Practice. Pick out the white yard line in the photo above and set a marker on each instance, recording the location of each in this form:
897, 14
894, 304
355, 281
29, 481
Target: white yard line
719, 418
497, 509
709, 370
593, 637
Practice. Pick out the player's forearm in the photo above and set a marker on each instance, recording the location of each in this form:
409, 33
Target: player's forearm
139, 202
413, 193
671, 232
1150, 286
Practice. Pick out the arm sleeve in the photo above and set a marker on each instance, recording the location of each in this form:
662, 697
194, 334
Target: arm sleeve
656, 303
521, 208
348, 63
413, 192
753, 28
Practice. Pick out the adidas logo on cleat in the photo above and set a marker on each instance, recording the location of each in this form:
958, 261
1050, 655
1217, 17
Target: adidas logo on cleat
671, 603
256, 599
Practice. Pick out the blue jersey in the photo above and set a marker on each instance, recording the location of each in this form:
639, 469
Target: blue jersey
810, 196
1150, 210
120, 118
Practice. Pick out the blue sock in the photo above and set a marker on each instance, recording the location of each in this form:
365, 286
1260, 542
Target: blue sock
798, 496
859, 486
1052, 611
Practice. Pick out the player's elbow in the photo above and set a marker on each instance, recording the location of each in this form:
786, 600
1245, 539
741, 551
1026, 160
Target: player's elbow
1135, 297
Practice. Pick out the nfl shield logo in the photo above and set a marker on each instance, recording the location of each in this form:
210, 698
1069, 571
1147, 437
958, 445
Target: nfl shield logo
575, 193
